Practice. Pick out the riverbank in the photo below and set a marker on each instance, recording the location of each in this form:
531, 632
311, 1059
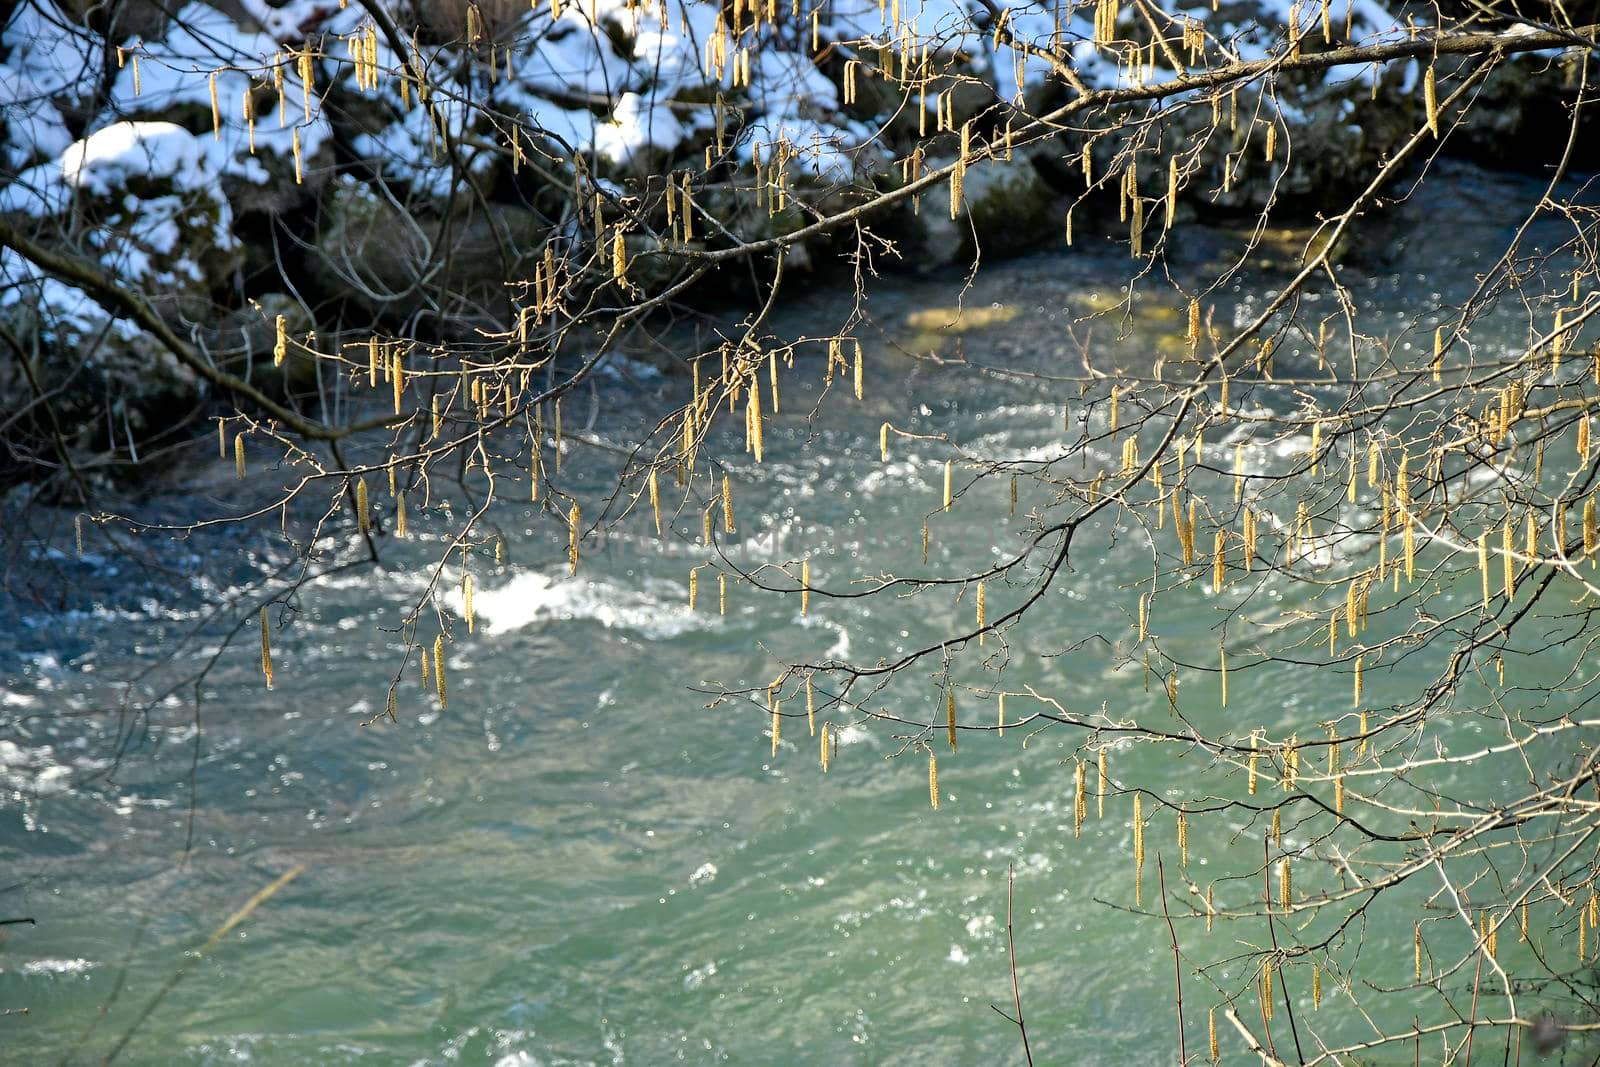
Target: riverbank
255, 172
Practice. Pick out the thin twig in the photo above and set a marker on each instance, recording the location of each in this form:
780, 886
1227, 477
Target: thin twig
1177, 965
1283, 983
222, 931
1011, 949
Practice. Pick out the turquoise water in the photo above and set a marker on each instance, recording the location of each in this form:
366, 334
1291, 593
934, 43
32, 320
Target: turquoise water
581, 862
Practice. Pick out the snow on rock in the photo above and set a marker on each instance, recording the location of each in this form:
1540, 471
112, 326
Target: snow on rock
146, 209
111, 157
205, 51
216, 110
32, 124
624, 84
638, 124
141, 185
49, 53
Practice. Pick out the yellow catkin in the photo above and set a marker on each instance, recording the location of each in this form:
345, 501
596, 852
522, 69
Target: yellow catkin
574, 518
727, 505
1183, 838
1254, 767
466, 601
1138, 851
400, 514
948, 464
1102, 784
1483, 565
958, 173
694, 586
1591, 528
1316, 987
363, 515
266, 648
438, 671
856, 374
1430, 100
753, 413
1285, 885
216, 111
655, 499
1409, 543
933, 780
811, 708
1222, 652
950, 717
280, 344
1193, 332
805, 587
777, 726
1357, 684
1079, 801
1211, 1027
1508, 555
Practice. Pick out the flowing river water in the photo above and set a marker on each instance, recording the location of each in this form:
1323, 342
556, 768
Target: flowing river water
578, 861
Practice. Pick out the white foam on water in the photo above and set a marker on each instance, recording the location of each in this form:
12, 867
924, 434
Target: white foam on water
534, 597
38, 967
